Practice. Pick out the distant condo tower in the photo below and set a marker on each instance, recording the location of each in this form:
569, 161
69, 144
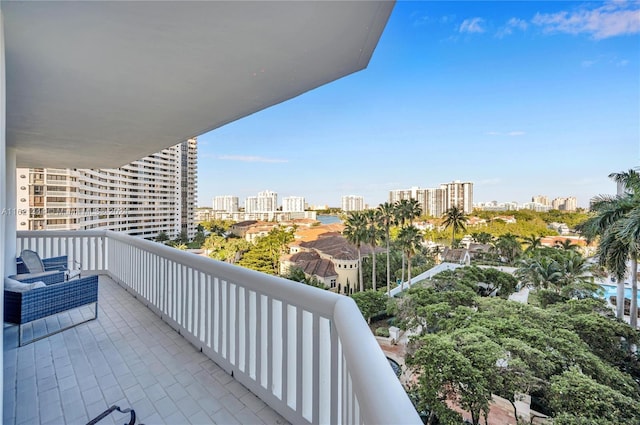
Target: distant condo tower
226, 203
266, 201
436, 201
144, 198
293, 204
353, 203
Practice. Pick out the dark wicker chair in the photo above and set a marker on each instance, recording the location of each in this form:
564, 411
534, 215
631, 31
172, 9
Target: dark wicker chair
24, 307
30, 262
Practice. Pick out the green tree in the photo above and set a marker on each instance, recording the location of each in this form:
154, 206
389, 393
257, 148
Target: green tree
387, 219
508, 247
482, 237
456, 219
576, 394
533, 243
410, 240
355, 231
373, 235
406, 211
616, 222
370, 303
264, 255
162, 237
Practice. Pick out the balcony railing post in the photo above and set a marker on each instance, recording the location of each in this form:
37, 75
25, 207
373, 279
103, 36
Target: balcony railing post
306, 352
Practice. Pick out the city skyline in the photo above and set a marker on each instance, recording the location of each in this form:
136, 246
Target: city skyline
528, 98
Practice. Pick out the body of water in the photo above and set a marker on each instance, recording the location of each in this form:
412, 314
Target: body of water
328, 219
611, 291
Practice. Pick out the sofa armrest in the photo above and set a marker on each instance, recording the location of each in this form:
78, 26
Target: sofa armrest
24, 307
49, 278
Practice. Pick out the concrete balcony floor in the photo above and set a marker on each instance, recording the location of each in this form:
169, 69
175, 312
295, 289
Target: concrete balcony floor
127, 357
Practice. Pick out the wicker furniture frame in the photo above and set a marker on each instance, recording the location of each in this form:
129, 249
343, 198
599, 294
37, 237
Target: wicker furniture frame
24, 307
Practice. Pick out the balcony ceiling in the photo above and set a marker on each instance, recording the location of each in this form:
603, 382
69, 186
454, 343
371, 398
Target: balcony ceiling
100, 84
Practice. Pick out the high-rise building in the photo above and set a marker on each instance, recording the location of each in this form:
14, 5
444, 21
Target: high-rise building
293, 204
353, 203
226, 203
541, 199
267, 201
436, 201
459, 194
565, 204
152, 195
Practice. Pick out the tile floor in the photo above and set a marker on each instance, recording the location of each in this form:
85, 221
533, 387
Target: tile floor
128, 357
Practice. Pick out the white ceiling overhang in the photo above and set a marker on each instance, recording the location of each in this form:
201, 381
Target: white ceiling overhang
99, 84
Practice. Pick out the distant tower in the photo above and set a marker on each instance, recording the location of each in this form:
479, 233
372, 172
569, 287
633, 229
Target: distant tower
293, 204
352, 203
226, 203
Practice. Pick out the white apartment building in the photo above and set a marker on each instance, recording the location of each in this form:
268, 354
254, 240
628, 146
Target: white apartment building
565, 204
152, 195
459, 194
353, 203
436, 201
265, 202
535, 206
541, 199
251, 204
226, 203
293, 204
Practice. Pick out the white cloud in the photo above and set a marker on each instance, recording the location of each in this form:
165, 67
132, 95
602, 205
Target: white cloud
515, 133
473, 25
610, 20
622, 62
513, 23
243, 158
587, 63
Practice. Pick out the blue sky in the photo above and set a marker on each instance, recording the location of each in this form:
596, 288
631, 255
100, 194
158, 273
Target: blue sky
521, 98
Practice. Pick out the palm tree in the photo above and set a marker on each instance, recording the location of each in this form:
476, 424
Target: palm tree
566, 245
617, 223
410, 240
356, 232
373, 235
406, 211
533, 242
387, 218
456, 219
508, 247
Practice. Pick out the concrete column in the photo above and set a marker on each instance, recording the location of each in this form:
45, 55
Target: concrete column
3, 196
11, 215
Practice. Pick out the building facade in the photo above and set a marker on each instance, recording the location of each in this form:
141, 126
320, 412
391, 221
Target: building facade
353, 203
293, 204
144, 198
435, 202
226, 203
565, 204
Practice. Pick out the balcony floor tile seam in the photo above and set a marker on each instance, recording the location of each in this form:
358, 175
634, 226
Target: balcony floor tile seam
96, 355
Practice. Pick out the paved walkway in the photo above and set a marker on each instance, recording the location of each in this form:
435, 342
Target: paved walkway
128, 357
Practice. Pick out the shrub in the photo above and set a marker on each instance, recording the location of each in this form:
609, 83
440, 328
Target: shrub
382, 331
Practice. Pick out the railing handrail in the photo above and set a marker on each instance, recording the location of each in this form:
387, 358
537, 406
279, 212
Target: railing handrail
311, 298
378, 394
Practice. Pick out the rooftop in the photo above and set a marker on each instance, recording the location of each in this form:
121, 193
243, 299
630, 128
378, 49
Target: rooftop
128, 357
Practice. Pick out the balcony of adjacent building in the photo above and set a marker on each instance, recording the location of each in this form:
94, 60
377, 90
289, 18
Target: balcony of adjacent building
181, 338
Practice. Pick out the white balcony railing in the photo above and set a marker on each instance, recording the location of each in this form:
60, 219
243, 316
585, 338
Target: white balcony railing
305, 352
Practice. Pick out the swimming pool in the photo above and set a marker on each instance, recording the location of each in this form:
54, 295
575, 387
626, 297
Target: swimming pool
611, 291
